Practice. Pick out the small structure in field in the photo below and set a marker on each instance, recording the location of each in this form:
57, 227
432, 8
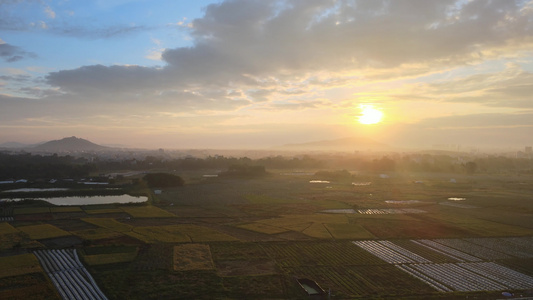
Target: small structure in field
310, 287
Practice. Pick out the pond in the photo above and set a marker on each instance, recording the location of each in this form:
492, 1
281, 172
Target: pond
457, 199
89, 200
28, 190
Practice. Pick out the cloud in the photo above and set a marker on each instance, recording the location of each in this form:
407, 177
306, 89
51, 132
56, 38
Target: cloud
10, 53
49, 12
511, 87
107, 32
261, 48
487, 129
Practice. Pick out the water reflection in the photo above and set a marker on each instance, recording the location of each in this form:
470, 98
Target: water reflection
89, 200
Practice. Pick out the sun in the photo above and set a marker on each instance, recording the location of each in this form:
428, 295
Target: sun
370, 115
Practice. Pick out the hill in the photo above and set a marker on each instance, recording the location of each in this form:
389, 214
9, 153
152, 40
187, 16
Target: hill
70, 144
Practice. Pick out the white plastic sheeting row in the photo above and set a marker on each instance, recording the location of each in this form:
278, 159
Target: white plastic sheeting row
69, 275
470, 274
390, 211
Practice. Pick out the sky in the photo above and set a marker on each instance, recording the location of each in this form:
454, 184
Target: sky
262, 73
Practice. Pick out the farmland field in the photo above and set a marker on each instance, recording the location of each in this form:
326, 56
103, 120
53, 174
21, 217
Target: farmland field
19, 265
228, 238
192, 257
44, 231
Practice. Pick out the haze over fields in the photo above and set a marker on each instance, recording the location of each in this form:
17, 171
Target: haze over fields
254, 73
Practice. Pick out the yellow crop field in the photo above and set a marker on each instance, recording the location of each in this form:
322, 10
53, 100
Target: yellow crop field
317, 230
178, 234
192, 257
96, 234
108, 223
19, 265
103, 211
156, 234
297, 226
147, 212
11, 237
5, 228
348, 231
43, 231
291, 220
204, 234
263, 228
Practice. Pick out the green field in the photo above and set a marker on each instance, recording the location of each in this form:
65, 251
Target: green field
227, 238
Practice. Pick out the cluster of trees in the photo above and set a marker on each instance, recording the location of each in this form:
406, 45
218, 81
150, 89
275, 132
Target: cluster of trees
244, 171
211, 162
163, 180
32, 167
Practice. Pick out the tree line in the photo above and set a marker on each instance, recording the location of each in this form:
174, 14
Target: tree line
32, 167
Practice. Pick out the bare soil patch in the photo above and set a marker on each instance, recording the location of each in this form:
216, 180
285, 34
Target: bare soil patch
192, 257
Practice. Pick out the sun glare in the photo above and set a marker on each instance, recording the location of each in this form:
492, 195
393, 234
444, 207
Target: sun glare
370, 115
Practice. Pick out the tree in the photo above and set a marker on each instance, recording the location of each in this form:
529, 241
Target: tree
163, 180
470, 167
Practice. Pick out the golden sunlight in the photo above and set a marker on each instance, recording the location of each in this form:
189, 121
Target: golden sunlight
370, 115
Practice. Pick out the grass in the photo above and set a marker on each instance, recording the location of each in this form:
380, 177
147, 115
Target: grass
264, 199
348, 231
33, 286
43, 231
31, 210
64, 209
480, 227
109, 255
192, 257
237, 251
386, 228
147, 212
19, 265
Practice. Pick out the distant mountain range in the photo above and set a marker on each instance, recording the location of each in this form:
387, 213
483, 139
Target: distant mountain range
343, 144
69, 144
